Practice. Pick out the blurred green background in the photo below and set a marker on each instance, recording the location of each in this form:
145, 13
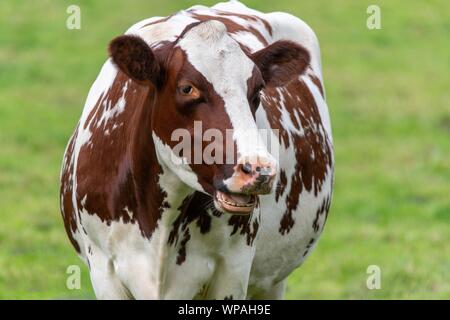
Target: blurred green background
389, 98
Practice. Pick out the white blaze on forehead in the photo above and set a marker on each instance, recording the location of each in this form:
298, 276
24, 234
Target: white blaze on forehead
221, 61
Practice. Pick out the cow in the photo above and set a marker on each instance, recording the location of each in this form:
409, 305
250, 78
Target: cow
151, 227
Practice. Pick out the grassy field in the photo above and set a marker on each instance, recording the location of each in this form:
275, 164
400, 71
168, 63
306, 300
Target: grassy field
389, 97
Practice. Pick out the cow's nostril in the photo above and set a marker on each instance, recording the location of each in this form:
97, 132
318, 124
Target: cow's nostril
258, 169
247, 168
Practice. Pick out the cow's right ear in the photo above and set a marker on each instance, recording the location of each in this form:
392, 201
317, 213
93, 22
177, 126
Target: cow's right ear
134, 57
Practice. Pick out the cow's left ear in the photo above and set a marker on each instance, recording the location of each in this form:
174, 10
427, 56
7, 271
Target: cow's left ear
281, 61
134, 57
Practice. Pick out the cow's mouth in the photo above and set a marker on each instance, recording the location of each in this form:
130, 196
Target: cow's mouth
235, 203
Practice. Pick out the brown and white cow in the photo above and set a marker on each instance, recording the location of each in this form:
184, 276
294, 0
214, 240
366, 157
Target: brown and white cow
149, 227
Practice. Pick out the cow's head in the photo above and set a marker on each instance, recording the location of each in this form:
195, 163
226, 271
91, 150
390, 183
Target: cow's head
207, 77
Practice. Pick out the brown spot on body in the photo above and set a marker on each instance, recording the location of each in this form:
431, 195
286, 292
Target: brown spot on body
308, 247
248, 18
281, 185
323, 209
287, 222
157, 21
313, 150
119, 170
66, 189
317, 82
246, 227
182, 250
193, 209
232, 26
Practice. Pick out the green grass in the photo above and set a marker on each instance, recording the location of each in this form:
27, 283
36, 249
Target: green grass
390, 107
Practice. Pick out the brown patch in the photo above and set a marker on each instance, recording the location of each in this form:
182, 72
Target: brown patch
323, 209
119, 170
287, 222
182, 250
313, 150
254, 86
248, 18
246, 226
308, 247
66, 190
281, 185
317, 82
232, 27
157, 21
192, 209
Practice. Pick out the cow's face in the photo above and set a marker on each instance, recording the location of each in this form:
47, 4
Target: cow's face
206, 86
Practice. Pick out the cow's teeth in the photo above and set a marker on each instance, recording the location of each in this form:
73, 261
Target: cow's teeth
222, 198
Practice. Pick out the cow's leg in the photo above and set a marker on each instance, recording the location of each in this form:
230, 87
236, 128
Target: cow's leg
104, 280
230, 279
227, 285
276, 292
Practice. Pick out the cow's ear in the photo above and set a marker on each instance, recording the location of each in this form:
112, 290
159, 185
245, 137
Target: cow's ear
281, 61
134, 57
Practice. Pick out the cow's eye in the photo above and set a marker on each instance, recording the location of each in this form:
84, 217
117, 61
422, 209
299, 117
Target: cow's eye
188, 90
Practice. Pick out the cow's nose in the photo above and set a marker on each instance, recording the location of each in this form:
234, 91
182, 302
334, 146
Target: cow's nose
264, 170
257, 174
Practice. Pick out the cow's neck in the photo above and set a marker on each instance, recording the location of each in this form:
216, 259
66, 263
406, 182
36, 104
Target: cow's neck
160, 194
158, 191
